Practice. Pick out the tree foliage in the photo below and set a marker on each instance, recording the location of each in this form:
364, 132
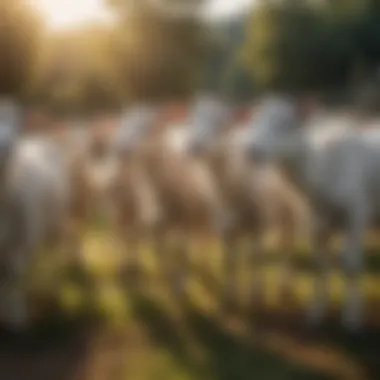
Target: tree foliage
146, 54
77, 72
298, 45
159, 55
150, 53
21, 32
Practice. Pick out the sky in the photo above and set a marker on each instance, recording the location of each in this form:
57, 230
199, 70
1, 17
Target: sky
62, 14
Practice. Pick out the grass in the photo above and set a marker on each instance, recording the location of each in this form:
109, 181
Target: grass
145, 333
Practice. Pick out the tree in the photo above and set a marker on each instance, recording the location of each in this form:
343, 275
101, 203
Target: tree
162, 60
77, 72
21, 32
236, 83
293, 45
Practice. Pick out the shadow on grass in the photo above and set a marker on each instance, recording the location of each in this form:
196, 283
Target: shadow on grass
306, 262
55, 349
363, 348
235, 359
227, 357
164, 331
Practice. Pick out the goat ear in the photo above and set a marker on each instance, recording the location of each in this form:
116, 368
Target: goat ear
243, 114
305, 107
10, 116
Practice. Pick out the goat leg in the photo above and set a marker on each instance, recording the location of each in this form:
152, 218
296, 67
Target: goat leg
318, 305
230, 248
183, 265
353, 310
257, 295
287, 247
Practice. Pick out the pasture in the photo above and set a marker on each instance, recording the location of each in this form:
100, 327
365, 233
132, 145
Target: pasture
108, 326
141, 169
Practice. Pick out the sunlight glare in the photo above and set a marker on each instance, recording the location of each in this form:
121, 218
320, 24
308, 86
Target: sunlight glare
62, 14
68, 13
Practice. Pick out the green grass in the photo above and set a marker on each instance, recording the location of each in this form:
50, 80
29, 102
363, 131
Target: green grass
167, 340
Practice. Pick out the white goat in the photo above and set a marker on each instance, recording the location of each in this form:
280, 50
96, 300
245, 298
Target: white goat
339, 174
184, 195
90, 175
251, 207
34, 203
134, 209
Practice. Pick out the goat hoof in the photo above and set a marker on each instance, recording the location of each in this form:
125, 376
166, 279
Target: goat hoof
257, 298
135, 271
228, 298
287, 298
17, 322
229, 304
352, 323
131, 273
315, 316
14, 310
180, 295
179, 289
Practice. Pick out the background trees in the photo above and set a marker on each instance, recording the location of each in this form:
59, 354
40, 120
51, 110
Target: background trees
332, 46
159, 55
299, 45
21, 32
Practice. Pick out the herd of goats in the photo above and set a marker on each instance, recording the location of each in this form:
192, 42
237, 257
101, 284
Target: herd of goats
287, 163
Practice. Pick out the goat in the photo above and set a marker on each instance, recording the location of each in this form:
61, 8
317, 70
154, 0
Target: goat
34, 204
221, 143
183, 193
134, 207
92, 166
339, 175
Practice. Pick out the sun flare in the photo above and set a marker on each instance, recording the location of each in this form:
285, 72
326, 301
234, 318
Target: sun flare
61, 14
67, 13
